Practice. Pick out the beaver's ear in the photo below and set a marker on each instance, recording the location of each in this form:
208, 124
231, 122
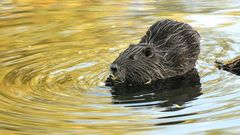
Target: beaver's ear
148, 52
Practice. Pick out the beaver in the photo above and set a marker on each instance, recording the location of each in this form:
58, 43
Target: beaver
232, 66
168, 49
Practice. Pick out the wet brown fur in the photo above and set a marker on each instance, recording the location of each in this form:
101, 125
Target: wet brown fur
168, 49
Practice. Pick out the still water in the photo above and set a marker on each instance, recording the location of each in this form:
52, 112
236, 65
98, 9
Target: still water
55, 54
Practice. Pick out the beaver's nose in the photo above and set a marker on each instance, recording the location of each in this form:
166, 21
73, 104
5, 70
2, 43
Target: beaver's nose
114, 68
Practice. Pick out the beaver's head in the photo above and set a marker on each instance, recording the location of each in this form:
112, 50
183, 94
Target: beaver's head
136, 65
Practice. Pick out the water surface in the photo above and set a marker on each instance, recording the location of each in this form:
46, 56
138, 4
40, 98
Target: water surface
54, 57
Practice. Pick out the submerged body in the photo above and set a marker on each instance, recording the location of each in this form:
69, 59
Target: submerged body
232, 66
168, 49
168, 92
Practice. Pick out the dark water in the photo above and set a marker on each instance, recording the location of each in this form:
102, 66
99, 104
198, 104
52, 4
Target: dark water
54, 57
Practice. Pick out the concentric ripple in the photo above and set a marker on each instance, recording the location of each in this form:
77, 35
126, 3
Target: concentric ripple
54, 58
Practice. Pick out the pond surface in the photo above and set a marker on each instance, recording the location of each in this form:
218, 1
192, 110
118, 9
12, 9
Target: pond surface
54, 57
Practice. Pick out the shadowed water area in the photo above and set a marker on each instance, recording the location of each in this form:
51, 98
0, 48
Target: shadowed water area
55, 56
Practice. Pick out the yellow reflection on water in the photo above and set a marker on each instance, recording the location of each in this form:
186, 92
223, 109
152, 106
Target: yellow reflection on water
55, 54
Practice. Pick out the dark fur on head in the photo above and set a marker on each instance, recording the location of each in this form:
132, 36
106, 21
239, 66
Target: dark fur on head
168, 49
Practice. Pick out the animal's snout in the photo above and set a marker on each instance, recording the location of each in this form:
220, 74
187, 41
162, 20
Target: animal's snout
114, 68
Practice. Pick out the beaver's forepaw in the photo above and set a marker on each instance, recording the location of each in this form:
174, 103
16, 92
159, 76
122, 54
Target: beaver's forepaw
109, 81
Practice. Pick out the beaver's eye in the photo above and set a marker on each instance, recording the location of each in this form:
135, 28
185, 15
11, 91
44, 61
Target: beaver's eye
148, 52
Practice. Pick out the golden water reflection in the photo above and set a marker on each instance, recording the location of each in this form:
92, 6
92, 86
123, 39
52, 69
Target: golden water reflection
55, 54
